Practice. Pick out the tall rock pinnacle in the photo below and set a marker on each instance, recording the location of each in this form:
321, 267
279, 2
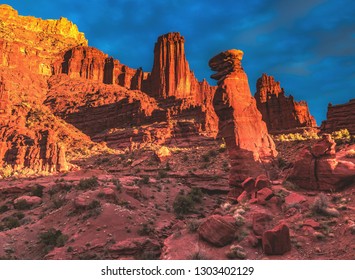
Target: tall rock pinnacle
249, 145
171, 75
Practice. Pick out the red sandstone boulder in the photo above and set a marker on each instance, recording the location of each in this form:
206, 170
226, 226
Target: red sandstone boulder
277, 240
249, 184
324, 147
136, 246
294, 199
261, 222
263, 195
323, 172
218, 230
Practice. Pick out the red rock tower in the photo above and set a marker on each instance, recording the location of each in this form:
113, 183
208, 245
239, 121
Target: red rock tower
249, 145
171, 75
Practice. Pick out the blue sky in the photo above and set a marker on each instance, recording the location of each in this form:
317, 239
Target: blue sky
308, 45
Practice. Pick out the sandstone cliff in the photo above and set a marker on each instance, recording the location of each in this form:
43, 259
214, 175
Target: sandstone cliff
280, 112
340, 117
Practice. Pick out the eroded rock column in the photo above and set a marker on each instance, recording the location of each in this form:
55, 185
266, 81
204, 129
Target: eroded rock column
250, 147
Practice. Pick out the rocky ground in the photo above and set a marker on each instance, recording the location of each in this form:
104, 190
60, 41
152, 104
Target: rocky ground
150, 203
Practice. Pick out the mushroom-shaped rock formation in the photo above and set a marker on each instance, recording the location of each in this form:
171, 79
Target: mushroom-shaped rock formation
250, 147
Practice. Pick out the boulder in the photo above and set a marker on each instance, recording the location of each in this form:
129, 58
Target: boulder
136, 246
261, 222
217, 230
277, 240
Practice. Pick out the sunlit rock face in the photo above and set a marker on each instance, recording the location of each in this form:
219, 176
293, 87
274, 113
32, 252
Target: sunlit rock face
249, 145
280, 112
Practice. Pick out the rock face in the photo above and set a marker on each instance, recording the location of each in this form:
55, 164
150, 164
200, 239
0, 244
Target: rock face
317, 168
92, 64
281, 113
29, 133
340, 117
246, 135
52, 74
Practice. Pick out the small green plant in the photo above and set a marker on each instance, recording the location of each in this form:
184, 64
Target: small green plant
37, 190
52, 238
195, 194
162, 173
88, 183
145, 229
145, 179
22, 205
11, 222
183, 205
4, 208
117, 184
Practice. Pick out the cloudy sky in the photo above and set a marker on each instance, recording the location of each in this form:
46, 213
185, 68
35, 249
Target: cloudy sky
307, 45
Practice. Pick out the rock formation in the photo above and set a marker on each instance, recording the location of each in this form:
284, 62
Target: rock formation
240, 124
28, 132
281, 113
317, 168
92, 64
339, 117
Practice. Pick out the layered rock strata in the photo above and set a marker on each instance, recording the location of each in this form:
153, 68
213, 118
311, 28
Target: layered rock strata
339, 117
249, 145
280, 112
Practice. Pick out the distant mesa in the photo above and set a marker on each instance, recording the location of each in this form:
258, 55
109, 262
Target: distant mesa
280, 112
339, 117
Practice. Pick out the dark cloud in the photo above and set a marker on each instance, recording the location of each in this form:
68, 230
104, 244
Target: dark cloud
306, 45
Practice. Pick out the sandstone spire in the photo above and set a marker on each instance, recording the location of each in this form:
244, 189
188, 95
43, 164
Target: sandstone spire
246, 135
171, 75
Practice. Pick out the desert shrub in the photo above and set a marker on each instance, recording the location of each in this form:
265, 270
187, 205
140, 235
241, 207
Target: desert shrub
183, 205
52, 238
320, 204
18, 215
11, 222
222, 147
145, 229
59, 202
4, 208
281, 162
162, 173
205, 157
37, 190
145, 179
117, 184
88, 183
342, 134
195, 194
94, 204
6, 171
22, 205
